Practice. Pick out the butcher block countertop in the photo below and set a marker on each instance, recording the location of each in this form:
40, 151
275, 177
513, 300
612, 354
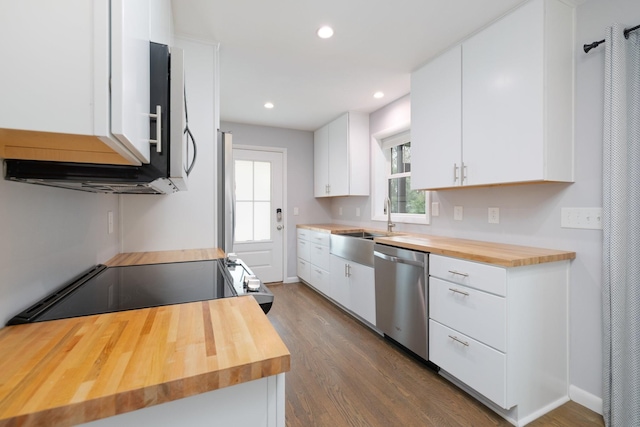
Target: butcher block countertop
70, 371
474, 250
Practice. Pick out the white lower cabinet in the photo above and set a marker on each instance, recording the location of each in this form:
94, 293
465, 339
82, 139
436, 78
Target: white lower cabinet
353, 287
475, 364
314, 260
502, 332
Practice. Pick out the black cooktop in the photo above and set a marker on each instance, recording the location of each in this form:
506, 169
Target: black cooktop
108, 289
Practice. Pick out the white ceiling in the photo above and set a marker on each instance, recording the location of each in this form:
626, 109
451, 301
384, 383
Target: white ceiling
269, 51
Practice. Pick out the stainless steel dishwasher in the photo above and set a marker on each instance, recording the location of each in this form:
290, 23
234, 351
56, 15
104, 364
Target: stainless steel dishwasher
401, 296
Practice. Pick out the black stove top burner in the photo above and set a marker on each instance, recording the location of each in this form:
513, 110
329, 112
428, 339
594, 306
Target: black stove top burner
109, 289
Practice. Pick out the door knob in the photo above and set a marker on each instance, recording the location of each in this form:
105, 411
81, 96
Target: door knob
280, 227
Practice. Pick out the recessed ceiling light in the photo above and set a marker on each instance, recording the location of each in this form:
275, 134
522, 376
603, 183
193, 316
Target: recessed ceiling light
325, 32
378, 95
268, 105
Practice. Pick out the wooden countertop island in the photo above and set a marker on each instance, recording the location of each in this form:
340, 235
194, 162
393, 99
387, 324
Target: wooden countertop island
71, 371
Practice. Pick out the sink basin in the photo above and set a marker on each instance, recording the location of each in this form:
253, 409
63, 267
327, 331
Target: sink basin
365, 235
356, 246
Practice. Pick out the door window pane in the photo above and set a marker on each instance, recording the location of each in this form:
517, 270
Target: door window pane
253, 200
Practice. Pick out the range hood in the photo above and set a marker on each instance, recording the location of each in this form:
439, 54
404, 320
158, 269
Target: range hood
170, 163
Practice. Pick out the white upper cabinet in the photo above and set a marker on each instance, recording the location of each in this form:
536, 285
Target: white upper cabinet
515, 114
436, 119
160, 22
78, 85
130, 75
341, 157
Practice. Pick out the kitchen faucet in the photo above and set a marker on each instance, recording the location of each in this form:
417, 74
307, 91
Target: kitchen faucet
387, 208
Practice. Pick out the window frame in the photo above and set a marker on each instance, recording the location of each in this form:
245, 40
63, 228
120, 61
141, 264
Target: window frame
381, 167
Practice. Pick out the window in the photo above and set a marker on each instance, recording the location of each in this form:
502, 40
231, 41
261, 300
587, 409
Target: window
403, 199
392, 179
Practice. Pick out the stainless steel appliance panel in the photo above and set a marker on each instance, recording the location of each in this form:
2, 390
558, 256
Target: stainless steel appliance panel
401, 296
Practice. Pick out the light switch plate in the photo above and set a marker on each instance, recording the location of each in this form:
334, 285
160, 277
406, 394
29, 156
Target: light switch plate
586, 218
357, 211
340, 210
435, 209
457, 213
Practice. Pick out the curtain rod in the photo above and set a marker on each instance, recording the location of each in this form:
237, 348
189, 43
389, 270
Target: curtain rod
588, 47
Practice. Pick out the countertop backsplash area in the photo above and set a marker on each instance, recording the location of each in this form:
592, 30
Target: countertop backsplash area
49, 236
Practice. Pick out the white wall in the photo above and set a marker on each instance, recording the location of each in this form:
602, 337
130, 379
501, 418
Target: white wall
47, 237
530, 214
184, 220
299, 145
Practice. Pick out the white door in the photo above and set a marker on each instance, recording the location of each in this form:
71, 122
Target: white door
259, 224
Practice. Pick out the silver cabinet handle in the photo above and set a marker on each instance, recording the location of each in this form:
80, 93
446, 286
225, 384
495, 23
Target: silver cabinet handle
457, 273
158, 117
348, 270
456, 339
345, 270
455, 173
466, 294
463, 171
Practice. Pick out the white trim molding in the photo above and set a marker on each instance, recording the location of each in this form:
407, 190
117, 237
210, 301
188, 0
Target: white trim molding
585, 399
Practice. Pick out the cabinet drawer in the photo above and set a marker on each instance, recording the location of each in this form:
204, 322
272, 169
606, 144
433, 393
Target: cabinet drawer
303, 249
303, 233
319, 238
480, 367
477, 314
304, 270
320, 280
320, 256
487, 278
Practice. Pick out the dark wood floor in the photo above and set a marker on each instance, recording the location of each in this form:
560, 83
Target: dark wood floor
344, 374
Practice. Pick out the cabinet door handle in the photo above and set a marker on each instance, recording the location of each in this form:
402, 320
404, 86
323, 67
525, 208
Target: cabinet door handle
463, 171
466, 294
345, 270
455, 173
457, 273
456, 339
348, 270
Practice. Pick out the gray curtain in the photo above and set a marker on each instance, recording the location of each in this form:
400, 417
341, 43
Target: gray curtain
621, 229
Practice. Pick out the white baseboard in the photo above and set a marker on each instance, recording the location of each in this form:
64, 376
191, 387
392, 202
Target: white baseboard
294, 279
586, 399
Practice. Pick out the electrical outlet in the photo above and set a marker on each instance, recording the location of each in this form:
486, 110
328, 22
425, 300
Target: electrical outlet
295, 211
457, 213
340, 211
494, 215
435, 209
357, 211
586, 218
110, 222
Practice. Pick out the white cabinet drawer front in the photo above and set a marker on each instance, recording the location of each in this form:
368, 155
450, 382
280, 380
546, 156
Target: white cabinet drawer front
488, 278
304, 270
480, 367
320, 256
319, 280
303, 234
303, 249
319, 238
475, 313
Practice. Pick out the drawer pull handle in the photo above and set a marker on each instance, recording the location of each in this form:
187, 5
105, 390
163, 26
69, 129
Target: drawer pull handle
456, 339
457, 273
457, 291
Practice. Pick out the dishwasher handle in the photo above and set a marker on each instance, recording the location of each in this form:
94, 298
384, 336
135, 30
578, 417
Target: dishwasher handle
397, 259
